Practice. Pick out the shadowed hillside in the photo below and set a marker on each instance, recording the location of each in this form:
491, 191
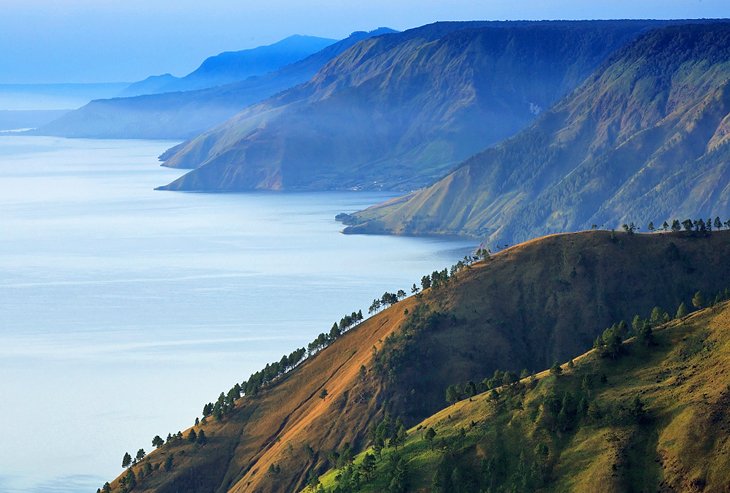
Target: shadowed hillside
645, 138
399, 111
525, 307
655, 418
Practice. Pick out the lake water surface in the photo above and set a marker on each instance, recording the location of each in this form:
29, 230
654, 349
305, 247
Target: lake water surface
123, 310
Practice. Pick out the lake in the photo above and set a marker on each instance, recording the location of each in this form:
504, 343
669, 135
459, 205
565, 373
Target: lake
123, 309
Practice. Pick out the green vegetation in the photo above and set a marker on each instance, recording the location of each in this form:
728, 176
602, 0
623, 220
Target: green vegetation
581, 431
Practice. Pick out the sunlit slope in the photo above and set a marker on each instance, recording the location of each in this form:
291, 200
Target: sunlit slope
399, 111
645, 138
526, 307
656, 418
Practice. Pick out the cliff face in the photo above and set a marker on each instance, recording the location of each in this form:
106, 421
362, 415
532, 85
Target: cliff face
399, 111
645, 138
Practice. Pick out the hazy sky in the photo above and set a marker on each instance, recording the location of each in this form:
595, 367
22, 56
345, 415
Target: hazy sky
126, 40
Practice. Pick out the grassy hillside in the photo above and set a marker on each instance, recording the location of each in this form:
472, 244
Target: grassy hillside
399, 111
655, 418
525, 307
645, 138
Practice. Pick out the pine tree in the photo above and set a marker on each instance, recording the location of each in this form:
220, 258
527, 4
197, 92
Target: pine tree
126, 460
698, 300
681, 310
430, 436
169, 462
157, 442
368, 464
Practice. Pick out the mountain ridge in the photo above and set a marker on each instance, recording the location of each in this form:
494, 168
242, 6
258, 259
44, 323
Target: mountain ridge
617, 148
398, 112
232, 66
178, 115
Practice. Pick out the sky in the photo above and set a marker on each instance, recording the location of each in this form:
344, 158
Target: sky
55, 41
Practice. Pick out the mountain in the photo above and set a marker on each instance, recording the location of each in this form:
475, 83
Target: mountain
659, 422
234, 66
176, 115
539, 302
153, 84
644, 138
398, 112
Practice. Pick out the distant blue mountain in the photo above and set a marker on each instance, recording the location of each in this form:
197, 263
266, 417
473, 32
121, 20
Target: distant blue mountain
177, 115
234, 66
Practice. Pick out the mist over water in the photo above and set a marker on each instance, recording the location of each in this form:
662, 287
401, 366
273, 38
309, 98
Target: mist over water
123, 310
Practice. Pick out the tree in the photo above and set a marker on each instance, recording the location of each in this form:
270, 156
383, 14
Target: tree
399, 437
140, 454
169, 462
130, 479
426, 282
650, 227
646, 335
368, 464
202, 439
399, 475
400, 294
688, 224
453, 394
415, 289
657, 314
192, 436
665, 226
718, 223
126, 460
698, 300
676, 225
157, 442
107, 488
335, 332
323, 394
681, 310
556, 370
429, 436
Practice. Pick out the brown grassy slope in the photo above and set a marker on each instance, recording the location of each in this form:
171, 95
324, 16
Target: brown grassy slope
526, 307
546, 300
681, 444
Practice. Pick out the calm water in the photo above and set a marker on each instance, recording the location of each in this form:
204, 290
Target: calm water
123, 310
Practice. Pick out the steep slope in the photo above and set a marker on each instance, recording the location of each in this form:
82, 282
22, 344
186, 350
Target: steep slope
234, 66
574, 432
176, 115
523, 308
643, 139
398, 111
